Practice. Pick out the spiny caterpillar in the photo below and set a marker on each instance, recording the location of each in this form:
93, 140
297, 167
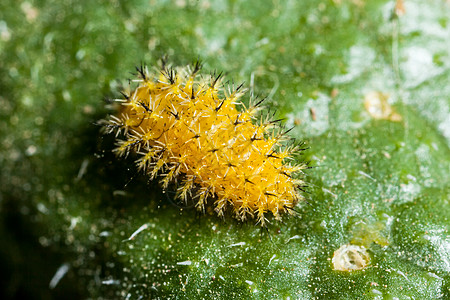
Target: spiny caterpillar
186, 129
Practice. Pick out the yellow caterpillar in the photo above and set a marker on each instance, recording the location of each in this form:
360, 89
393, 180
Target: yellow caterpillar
185, 128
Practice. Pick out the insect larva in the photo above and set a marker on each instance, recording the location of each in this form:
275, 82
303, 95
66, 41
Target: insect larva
186, 129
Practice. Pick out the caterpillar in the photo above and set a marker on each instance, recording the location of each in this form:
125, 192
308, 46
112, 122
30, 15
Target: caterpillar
185, 129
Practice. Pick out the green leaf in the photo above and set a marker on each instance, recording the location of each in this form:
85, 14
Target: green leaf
366, 88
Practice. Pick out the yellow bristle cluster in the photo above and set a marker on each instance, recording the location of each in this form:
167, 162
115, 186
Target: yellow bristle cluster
187, 131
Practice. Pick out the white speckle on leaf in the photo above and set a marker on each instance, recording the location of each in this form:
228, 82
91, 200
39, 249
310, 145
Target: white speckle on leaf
80, 54
31, 150
441, 244
83, 169
411, 177
329, 192
111, 282
376, 292
295, 237
119, 193
27, 101
5, 34
408, 192
420, 18
418, 66
262, 42
66, 95
237, 265
42, 208
366, 175
435, 276
139, 230
237, 244
402, 274
74, 222
31, 12
272, 258
62, 270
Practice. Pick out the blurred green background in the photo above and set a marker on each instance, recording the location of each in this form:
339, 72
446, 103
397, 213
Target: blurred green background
365, 83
